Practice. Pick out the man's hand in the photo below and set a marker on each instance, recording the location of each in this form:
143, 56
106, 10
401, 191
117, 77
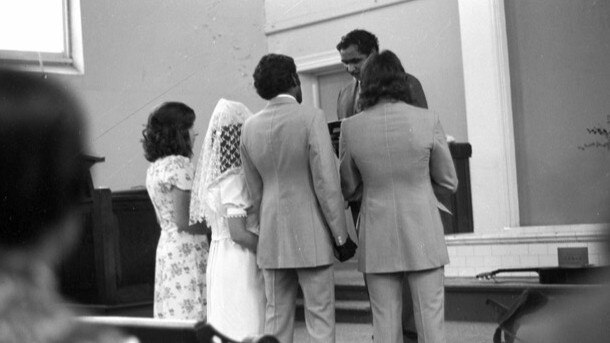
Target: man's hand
346, 251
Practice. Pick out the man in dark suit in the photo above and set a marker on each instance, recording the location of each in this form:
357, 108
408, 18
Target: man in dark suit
355, 47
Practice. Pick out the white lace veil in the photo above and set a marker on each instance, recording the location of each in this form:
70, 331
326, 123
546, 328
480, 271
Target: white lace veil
219, 156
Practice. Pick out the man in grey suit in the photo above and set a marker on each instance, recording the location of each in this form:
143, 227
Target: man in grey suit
355, 47
291, 174
393, 155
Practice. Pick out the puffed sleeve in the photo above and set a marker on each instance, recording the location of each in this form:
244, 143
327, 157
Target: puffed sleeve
178, 173
233, 195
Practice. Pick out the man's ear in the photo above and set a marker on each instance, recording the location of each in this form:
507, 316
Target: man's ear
295, 80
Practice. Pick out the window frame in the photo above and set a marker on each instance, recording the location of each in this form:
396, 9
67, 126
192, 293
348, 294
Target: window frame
70, 61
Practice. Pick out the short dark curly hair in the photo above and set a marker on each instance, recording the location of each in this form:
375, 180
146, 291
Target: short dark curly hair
167, 131
275, 74
382, 76
41, 142
366, 42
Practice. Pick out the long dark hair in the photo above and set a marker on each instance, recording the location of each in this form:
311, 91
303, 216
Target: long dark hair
382, 76
167, 131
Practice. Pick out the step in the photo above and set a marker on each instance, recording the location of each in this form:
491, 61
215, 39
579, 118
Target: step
465, 297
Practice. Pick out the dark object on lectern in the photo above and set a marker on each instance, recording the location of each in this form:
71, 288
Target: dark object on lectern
460, 203
560, 275
334, 128
114, 262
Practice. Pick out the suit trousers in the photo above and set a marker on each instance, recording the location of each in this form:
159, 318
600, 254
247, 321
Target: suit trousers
318, 286
428, 295
408, 319
409, 331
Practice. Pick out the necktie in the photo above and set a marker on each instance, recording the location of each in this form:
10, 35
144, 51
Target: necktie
357, 98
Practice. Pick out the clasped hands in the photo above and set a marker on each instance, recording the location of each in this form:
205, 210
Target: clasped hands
346, 251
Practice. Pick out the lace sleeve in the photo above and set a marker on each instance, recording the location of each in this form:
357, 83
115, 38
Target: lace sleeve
233, 195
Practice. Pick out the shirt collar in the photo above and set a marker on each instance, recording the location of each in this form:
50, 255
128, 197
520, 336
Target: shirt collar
286, 96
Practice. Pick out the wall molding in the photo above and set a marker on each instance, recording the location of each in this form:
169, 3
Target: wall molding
330, 10
319, 63
536, 234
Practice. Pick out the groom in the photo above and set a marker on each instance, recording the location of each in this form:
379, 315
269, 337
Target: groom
291, 174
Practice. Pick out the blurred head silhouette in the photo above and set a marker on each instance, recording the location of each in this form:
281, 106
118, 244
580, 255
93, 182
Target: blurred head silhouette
41, 138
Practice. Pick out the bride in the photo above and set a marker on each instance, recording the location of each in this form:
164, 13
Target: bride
235, 287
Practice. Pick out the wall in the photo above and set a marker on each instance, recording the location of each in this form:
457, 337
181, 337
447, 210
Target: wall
423, 33
525, 247
560, 73
139, 54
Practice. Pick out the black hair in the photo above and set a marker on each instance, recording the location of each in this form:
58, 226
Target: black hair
366, 42
382, 76
275, 74
167, 131
41, 142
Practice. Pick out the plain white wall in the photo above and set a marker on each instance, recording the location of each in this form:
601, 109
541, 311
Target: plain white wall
139, 54
425, 34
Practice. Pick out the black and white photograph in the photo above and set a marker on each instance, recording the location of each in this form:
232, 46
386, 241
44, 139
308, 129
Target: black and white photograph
305, 171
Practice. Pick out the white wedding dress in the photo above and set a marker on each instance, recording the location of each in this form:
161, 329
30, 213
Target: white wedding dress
235, 286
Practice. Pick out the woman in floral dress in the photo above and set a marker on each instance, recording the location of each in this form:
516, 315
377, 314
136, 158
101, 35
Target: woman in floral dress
180, 288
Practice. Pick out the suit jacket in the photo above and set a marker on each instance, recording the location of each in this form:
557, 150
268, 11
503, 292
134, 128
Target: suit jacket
346, 104
391, 155
291, 174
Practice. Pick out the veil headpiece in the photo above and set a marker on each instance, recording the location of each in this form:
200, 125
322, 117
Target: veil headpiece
219, 156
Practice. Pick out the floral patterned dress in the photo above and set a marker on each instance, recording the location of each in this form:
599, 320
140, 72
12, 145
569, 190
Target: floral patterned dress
180, 288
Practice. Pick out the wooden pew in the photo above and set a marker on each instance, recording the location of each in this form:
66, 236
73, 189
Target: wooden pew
111, 270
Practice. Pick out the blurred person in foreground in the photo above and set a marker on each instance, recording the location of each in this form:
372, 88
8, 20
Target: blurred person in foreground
41, 138
580, 317
392, 157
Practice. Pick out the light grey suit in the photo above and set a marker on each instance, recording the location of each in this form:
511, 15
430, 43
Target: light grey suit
346, 107
392, 155
291, 174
